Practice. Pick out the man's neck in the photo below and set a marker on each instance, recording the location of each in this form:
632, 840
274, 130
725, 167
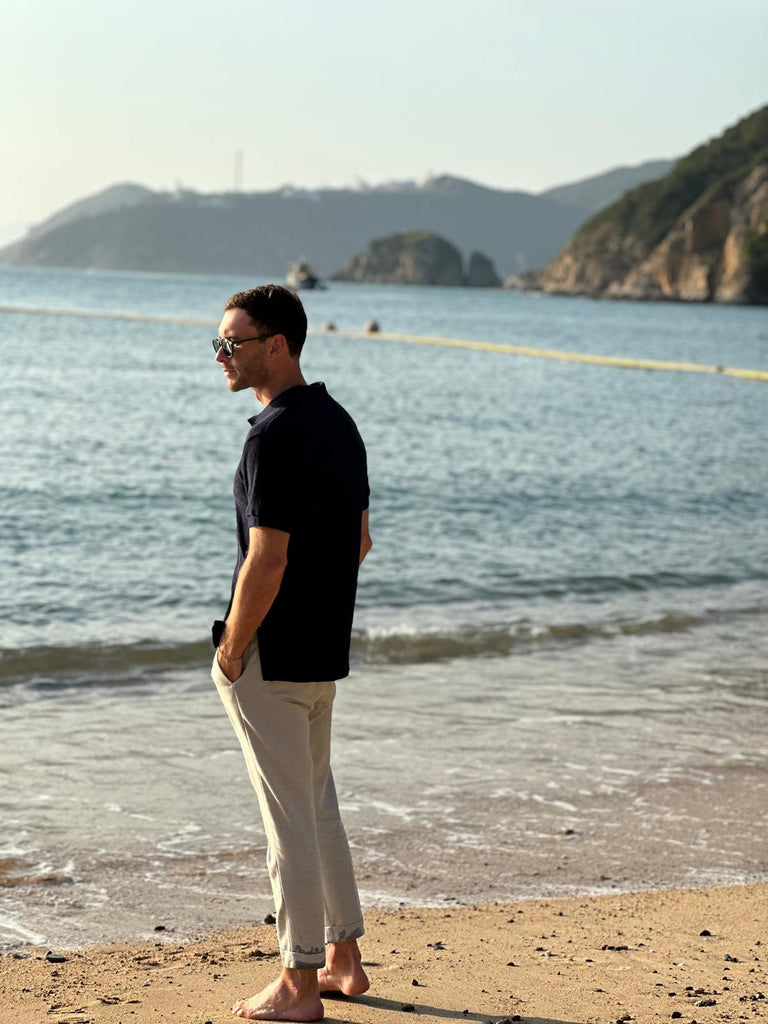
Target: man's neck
269, 391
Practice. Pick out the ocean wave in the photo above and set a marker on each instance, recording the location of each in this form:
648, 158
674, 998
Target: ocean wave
90, 662
399, 645
406, 647
20, 871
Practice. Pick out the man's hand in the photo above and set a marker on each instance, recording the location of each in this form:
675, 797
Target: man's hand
257, 585
231, 667
365, 538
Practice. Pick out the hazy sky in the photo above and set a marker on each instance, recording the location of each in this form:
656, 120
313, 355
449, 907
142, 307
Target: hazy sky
513, 94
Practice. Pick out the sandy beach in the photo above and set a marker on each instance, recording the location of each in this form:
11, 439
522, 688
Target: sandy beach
688, 955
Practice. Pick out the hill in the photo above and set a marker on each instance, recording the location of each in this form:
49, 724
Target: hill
262, 232
113, 198
601, 190
699, 233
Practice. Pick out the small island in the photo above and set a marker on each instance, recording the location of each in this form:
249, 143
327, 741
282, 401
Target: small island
418, 257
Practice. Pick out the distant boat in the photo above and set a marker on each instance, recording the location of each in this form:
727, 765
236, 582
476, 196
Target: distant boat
303, 275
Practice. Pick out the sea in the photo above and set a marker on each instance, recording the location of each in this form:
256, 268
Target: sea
560, 659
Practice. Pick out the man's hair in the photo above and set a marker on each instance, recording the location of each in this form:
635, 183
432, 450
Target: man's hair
277, 309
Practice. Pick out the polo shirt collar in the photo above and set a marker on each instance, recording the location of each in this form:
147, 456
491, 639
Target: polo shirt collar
287, 396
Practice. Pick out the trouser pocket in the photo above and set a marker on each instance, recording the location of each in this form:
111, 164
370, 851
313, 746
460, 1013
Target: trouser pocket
218, 674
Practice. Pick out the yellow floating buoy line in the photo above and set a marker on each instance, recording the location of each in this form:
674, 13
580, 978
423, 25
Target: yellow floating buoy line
568, 357
619, 362
105, 314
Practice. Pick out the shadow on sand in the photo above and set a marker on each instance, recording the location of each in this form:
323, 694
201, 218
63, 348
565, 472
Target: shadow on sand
423, 1010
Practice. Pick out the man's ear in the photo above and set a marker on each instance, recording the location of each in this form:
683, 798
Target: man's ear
278, 343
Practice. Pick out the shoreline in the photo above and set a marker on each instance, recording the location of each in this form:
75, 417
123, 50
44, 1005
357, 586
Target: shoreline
700, 954
677, 834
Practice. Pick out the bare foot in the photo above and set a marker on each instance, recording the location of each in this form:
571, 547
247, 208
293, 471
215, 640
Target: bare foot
281, 1001
348, 984
343, 971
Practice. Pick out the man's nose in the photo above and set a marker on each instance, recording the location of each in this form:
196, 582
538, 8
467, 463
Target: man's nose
221, 357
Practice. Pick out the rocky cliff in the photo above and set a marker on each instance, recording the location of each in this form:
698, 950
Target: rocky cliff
418, 257
691, 236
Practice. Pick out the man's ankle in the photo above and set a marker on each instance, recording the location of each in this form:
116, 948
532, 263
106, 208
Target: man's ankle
345, 952
301, 980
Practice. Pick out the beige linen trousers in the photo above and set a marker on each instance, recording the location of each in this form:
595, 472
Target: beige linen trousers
284, 730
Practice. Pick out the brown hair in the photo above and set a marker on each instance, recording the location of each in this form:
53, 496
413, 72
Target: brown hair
277, 309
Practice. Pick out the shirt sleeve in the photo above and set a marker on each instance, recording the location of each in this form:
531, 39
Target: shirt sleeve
363, 488
366, 488
273, 480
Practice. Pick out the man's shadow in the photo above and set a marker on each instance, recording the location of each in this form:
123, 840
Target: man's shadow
421, 1009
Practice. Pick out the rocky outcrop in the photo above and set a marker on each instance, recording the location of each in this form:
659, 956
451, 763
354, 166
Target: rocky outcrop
481, 273
703, 257
687, 237
411, 257
418, 257
525, 281
590, 263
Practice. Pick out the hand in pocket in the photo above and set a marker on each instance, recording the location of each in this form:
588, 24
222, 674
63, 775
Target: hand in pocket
231, 667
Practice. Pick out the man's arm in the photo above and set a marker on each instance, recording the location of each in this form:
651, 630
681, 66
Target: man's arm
257, 585
365, 538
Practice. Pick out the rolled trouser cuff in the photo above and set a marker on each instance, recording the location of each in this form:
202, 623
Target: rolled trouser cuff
345, 933
311, 960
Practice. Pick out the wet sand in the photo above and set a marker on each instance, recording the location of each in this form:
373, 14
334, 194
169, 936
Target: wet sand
688, 955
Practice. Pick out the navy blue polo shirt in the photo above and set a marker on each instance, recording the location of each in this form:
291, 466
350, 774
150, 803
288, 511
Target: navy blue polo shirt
303, 470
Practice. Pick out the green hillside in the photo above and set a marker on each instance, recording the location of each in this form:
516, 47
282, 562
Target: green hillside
649, 212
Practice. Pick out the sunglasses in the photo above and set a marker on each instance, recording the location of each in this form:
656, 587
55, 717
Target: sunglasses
227, 345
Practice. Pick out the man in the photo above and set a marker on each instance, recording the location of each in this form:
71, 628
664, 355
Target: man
301, 497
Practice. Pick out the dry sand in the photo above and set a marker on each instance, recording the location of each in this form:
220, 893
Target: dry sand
699, 955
